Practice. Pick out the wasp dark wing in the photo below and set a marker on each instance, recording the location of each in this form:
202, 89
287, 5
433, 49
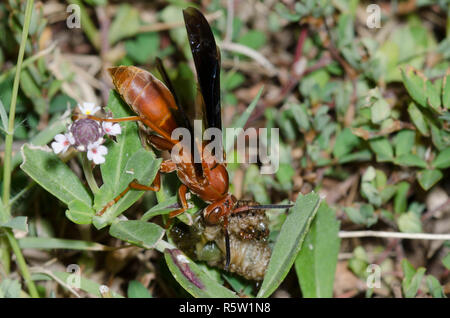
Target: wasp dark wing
207, 63
180, 115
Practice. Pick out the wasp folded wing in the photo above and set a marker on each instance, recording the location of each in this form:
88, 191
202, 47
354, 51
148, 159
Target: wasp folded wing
207, 64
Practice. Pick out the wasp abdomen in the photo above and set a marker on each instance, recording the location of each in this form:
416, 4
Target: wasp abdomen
147, 96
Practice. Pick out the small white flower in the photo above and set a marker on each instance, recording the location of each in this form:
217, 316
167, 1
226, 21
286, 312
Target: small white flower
89, 108
62, 143
112, 129
96, 152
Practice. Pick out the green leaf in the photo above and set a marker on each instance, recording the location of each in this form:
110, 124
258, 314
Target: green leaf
142, 166
418, 119
44, 137
401, 197
380, 111
289, 242
143, 48
428, 178
382, 148
47, 243
17, 223
364, 215
409, 223
44, 167
345, 142
433, 96
404, 142
119, 152
140, 233
79, 212
414, 82
434, 287
446, 261
300, 115
412, 279
126, 23
442, 160
254, 39
410, 160
363, 155
316, 263
137, 290
10, 288
3, 117
446, 91
192, 278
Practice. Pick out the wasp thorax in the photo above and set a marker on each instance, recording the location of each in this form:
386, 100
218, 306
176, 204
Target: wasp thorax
86, 131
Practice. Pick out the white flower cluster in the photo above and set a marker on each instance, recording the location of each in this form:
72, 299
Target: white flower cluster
87, 135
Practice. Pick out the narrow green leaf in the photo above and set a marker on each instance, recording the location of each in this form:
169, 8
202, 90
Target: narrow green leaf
446, 91
289, 242
418, 119
44, 167
47, 243
137, 232
316, 262
401, 197
3, 117
433, 96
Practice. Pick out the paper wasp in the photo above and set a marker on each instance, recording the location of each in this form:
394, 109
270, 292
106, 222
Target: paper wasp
159, 109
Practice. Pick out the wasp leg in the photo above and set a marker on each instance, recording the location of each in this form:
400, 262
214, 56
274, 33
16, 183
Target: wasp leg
227, 244
182, 190
166, 166
160, 143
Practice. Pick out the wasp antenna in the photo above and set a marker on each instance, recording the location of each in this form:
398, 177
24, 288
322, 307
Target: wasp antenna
270, 206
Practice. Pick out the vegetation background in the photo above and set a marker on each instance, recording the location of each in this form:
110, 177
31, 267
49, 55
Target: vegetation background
360, 94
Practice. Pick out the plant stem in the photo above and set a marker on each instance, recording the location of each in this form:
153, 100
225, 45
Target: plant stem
21, 260
87, 169
12, 112
8, 157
